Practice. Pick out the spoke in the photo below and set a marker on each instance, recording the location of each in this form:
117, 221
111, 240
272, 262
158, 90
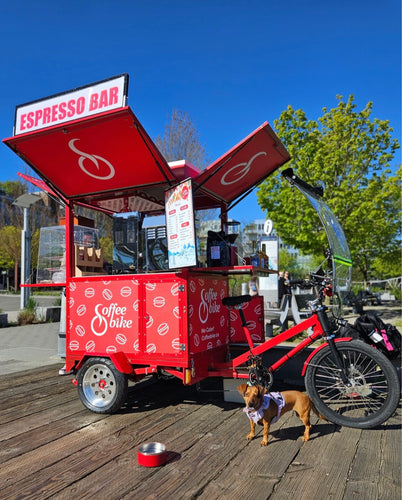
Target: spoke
364, 375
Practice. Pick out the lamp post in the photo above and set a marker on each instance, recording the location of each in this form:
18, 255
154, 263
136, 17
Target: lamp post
25, 201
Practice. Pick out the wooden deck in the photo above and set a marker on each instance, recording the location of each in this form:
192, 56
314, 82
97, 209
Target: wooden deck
52, 447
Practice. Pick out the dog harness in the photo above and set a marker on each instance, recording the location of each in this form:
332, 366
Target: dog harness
257, 415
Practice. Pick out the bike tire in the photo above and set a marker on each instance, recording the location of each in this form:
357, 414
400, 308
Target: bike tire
369, 398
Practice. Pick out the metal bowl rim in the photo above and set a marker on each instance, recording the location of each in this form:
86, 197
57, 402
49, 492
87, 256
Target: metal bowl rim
153, 448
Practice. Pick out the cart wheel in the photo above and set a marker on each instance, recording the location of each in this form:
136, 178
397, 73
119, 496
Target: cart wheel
101, 387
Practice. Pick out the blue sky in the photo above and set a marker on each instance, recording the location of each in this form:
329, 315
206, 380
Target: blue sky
231, 64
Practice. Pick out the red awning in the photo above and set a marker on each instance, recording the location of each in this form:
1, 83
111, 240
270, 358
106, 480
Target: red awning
244, 166
102, 156
110, 162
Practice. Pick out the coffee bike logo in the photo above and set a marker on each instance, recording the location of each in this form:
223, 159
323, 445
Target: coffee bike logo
236, 173
208, 304
111, 316
98, 164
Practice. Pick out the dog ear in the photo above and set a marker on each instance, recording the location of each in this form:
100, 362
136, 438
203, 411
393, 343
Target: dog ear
261, 391
242, 389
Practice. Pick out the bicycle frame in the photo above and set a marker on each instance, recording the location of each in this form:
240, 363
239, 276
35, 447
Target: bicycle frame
230, 369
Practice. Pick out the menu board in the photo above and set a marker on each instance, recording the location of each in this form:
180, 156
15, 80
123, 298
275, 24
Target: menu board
180, 225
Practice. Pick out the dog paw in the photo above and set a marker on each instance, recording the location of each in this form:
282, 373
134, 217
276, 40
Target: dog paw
264, 443
305, 438
250, 436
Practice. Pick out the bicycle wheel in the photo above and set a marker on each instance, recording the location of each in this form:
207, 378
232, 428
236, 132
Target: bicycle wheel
371, 394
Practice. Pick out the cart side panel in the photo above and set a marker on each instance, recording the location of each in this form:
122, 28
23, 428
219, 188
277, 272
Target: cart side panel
102, 316
143, 316
165, 331
208, 317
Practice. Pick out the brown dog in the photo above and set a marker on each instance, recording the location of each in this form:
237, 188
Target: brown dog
264, 410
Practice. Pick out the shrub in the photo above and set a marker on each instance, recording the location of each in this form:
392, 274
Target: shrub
28, 315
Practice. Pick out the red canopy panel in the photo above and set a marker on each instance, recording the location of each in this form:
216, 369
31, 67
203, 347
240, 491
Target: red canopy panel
244, 166
108, 154
109, 162
38, 183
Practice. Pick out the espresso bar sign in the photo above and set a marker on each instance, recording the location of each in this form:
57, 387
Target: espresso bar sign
98, 97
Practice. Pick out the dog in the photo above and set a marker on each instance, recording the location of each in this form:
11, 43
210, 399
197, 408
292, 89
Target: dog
264, 409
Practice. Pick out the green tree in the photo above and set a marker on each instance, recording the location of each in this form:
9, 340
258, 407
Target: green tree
350, 154
13, 188
287, 262
10, 250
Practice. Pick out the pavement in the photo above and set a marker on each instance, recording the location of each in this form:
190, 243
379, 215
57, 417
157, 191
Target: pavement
29, 346
35, 346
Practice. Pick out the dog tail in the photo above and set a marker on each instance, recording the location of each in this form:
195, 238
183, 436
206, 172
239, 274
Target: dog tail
316, 411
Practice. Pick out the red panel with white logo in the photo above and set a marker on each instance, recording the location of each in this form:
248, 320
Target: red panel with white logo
103, 316
208, 318
164, 314
139, 317
105, 153
244, 166
254, 314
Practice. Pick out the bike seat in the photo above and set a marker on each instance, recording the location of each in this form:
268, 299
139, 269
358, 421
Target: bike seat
235, 301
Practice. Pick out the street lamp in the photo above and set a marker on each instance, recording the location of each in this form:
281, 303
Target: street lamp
25, 201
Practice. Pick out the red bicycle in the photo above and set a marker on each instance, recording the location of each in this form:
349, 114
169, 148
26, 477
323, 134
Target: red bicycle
351, 383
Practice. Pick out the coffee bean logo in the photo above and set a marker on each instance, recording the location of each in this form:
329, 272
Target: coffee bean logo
90, 346
107, 294
125, 291
121, 338
159, 302
81, 310
176, 344
74, 345
89, 293
163, 329
80, 330
151, 348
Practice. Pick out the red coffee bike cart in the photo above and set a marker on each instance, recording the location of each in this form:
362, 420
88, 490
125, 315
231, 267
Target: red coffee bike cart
90, 150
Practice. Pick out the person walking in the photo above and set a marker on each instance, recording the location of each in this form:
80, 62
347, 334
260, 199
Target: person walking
284, 297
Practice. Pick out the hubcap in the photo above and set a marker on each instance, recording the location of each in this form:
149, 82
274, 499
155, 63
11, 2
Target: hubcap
99, 385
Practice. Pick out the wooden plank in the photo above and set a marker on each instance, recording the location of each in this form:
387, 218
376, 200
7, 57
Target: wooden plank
321, 468
260, 469
30, 440
376, 471
34, 390
39, 419
14, 380
389, 484
49, 400
61, 450
67, 418
210, 458
50, 480
79, 441
182, 429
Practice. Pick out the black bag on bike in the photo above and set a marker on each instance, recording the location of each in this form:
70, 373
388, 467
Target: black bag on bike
348, 330
384, 337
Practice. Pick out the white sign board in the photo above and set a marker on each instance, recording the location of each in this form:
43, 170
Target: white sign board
180, 226
79, 103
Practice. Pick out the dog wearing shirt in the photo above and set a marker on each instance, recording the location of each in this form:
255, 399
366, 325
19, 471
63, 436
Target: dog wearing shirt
265, 408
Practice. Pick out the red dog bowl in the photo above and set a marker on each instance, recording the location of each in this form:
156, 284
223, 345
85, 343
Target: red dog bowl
151, 454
